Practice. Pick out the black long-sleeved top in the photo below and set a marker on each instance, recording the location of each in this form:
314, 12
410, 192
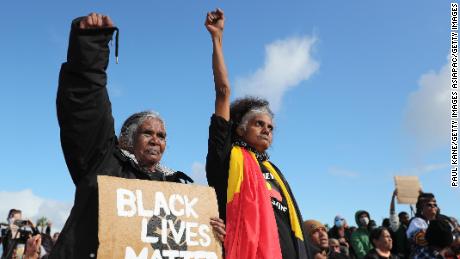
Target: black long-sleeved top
217, 165
88, 138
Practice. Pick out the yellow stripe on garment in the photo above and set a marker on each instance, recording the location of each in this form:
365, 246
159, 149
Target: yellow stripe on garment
235, 173
295, 224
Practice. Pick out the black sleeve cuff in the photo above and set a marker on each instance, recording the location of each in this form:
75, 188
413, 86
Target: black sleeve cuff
89, 48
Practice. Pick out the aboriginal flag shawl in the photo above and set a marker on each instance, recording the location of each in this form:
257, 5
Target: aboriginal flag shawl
251, 225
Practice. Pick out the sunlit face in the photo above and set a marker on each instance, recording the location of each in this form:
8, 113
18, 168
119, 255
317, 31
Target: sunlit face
430, 209
384, 243
17, 216
149, 142
259, 132
319, 238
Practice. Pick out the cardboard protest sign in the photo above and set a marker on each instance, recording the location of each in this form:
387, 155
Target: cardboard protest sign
408, 189
154, 220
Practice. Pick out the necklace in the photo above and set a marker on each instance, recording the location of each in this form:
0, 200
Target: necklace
260, 156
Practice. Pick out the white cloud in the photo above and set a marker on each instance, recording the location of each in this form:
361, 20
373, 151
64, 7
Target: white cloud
199, 173
342, 172
427, 115
34, 207
287, 63
420, 170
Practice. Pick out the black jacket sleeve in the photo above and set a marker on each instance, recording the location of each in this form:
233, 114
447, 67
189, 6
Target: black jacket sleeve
217, 159
83, 106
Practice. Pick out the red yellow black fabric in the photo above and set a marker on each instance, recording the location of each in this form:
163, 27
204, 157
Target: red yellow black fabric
251, 225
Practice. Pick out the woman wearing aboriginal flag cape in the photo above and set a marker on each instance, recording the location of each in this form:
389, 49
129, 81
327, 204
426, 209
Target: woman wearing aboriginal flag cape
262, 217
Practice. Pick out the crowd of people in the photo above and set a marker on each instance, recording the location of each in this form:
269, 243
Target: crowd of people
428, 234
258, 214
21, 238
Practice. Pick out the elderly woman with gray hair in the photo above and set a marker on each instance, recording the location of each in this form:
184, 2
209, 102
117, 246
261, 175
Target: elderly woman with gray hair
262, 216
88, 140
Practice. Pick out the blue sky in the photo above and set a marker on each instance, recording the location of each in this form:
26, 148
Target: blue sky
361, 92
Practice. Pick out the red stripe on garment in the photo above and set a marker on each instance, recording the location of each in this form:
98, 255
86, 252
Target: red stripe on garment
251, 227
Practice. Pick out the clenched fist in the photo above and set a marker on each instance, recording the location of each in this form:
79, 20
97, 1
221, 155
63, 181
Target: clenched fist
96, 20
215, 22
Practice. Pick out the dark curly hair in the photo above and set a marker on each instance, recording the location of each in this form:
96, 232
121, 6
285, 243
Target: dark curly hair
240, 107
376, 233
423, 198
439, 234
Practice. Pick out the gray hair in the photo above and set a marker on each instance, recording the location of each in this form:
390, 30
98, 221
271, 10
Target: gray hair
130, 126
251, 113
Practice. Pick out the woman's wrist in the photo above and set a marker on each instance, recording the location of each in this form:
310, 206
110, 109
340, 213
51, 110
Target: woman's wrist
217, 39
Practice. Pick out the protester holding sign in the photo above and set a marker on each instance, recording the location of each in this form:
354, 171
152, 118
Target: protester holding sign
88, 140
427, 210
262, 217
399, 224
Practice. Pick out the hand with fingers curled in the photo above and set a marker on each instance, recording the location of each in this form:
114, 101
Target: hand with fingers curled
215, 22
33, 247
96, 21
218, 226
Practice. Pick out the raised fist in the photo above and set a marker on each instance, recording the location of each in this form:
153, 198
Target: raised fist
96, 20
215, 22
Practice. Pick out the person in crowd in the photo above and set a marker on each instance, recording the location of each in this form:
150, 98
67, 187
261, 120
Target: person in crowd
394, 221
88, 140
438, 237
456, 247
456, 233
23, 239
33, 248
381, 239
47, 244
11, 236
55, 237
401, 246
398, 226
317, 235
334, 245
262, 217
16, 235
342, 233
455, 225
386, 223
426, 210
321, 246
372, 225
335, 251
353, 229
360, 238
49, 224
